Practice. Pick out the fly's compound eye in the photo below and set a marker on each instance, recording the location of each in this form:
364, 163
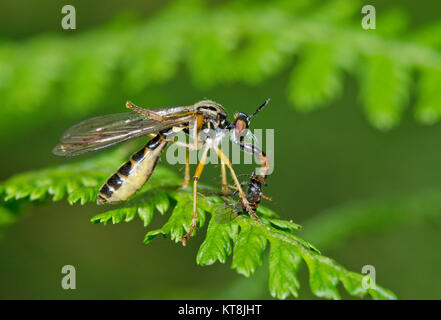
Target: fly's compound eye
240, 125
241, 122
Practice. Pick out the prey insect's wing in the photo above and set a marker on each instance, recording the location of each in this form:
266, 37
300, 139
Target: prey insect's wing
225, 213
226, 210
104, 131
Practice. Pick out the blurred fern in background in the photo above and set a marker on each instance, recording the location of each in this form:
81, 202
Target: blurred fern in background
237, 42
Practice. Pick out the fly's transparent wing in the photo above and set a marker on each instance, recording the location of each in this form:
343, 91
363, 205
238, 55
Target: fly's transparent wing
104, 131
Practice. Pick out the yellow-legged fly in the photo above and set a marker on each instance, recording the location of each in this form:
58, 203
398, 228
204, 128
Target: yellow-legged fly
162, 124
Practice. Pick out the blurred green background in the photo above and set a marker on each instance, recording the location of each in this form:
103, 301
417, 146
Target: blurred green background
331, 150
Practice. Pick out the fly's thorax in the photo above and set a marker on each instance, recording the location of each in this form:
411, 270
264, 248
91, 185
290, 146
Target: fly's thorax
211, 110
213, 136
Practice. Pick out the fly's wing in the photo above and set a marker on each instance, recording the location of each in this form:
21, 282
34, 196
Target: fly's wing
105, 131
169, 111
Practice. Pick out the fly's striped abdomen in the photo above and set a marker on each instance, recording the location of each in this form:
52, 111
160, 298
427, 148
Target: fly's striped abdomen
133, 174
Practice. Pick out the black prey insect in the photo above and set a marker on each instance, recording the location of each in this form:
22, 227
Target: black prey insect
162, 124
232, 207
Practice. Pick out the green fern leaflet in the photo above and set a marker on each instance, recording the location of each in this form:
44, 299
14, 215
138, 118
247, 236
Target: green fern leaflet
242, 238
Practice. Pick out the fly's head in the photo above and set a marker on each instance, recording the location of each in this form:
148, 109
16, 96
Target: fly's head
242, 121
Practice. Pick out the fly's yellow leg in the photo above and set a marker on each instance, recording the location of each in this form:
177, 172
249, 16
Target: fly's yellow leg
196, 177
187, 169
187, 147
224, 179
244, 199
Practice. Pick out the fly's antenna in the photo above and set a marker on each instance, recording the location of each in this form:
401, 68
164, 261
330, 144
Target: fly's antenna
259, 109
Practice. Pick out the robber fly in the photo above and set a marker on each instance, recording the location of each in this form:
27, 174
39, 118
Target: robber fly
161, 124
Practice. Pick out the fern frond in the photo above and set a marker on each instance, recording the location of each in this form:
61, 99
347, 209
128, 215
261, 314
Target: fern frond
316, 79
385, 90
256, 42
243, 238
77, 182
428, 108
338, 224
